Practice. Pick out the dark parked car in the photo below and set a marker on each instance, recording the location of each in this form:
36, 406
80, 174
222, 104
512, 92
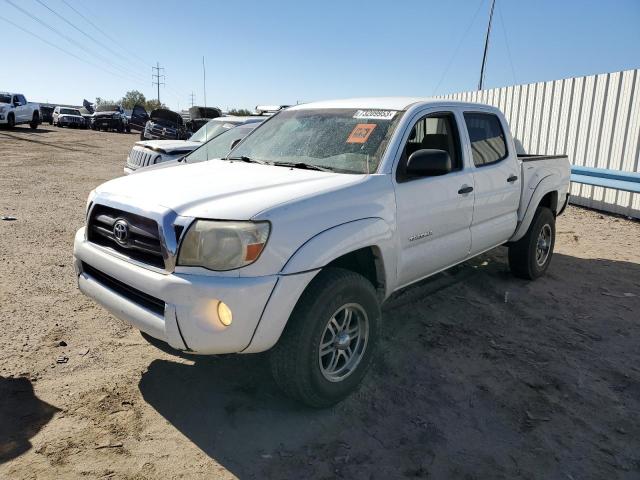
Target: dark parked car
198, 116
165, 124
138, 118
110, 117
46, 114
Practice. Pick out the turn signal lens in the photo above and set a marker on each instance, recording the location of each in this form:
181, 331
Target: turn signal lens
224, 314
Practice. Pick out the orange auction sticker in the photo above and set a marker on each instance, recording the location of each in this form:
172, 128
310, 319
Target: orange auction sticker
361, 132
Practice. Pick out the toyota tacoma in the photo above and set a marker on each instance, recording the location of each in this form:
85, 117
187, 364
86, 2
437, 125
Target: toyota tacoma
293, 240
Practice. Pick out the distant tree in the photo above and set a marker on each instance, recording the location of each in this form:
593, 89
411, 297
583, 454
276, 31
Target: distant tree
133, 98
241, 112
102, 101
152, 105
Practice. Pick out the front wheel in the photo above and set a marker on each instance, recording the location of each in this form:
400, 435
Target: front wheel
329, 341
530, 256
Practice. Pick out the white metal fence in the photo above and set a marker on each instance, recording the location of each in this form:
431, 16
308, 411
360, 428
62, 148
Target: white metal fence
595, 120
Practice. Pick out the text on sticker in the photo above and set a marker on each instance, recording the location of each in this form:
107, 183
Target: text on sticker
361, 132
375, 114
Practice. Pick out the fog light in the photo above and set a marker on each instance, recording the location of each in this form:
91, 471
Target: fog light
224, 314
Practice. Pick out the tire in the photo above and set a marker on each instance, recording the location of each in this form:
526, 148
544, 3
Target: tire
35, 121
296, 364
142, 136
11, 121
530, 256
128, 129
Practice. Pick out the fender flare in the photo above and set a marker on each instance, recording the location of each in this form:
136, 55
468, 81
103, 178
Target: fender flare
544, 186
330, 244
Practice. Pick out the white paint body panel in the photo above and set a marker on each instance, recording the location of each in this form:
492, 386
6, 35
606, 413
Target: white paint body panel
416, 228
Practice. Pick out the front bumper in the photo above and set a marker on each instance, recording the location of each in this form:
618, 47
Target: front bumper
190, 320
106, 122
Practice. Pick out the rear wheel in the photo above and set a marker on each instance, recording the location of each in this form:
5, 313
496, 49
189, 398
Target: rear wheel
329, 341
35, 121
530, 256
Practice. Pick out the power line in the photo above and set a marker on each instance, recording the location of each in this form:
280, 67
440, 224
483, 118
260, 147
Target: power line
60, 48
67, 38
104, 33
155, 78
455, 52
61, 17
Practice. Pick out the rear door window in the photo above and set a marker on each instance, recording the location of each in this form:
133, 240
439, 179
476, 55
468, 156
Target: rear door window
488, 142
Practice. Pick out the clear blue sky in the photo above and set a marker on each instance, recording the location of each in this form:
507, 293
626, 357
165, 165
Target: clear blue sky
280, 52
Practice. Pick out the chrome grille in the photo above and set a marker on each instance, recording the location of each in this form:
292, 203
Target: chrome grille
141, 157
142, 242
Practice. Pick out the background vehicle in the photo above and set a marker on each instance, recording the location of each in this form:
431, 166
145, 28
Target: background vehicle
15, 110
216, 148
110, 117
152, 152
68, 117
137, 117
199, 116
164, 124
294, 240
46, 114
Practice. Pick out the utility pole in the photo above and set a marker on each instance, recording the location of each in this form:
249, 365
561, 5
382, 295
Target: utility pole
486, 46
156, 76
192, 98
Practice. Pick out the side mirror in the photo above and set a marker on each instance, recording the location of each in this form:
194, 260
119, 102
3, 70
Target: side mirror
429, 163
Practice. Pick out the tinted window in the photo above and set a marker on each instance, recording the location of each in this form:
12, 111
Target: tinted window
488, 142
22, 100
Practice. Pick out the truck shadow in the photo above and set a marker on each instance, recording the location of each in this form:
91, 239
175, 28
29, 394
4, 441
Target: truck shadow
454, 374
22, 415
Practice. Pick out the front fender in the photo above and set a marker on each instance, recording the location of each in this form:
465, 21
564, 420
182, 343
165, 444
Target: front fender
307, 261
337, 241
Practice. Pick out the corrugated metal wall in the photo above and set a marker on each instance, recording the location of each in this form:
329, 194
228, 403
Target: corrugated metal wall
595, 120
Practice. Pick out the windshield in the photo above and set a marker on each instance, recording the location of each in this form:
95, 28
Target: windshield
211, 130
344, 140
4, 98
107, 108
69, 111
219, 146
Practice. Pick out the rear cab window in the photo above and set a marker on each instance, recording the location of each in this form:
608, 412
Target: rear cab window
488, 140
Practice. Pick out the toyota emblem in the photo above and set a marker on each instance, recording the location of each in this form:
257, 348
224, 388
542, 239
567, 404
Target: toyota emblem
121, 231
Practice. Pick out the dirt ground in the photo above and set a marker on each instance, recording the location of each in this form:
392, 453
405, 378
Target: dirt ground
480, 375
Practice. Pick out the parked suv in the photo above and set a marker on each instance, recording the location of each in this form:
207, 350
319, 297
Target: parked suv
293, 241
15, 110
152, 152
110, 117
68, 117
164, 124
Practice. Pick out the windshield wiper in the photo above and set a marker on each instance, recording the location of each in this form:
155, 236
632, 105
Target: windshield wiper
246, 159
303, 166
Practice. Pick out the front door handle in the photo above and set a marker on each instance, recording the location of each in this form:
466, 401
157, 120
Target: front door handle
512, 178
465, 189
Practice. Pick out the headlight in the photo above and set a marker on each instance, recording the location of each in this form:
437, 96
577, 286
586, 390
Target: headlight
2, 109
220, 245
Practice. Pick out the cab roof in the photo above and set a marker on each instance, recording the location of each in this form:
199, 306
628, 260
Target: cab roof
383, 103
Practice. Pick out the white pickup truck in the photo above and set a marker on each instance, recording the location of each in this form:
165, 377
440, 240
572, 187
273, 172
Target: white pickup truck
293, 241
15, 110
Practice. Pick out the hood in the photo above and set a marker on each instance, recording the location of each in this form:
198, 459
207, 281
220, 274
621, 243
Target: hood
220, 189
2, 104
169, 146
165, 116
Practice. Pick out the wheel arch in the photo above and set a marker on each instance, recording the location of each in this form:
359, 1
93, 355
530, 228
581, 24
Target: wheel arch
546, 195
